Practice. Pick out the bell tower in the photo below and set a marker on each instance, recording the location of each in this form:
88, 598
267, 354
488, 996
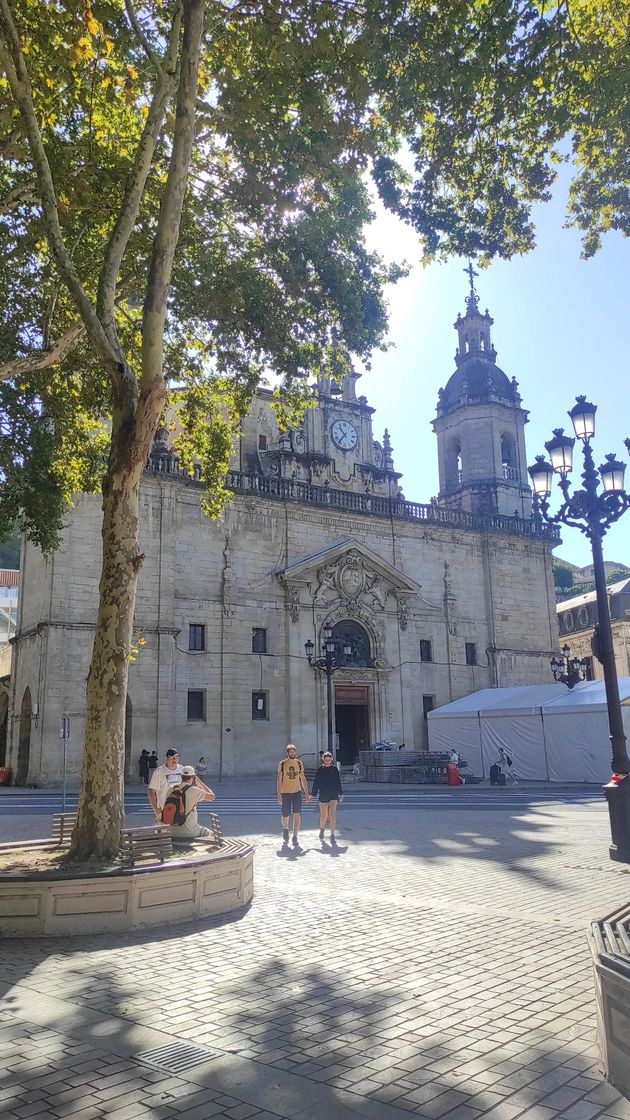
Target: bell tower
480, 425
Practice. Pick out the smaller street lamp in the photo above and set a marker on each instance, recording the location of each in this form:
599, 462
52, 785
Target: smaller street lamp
328, 664
568, 670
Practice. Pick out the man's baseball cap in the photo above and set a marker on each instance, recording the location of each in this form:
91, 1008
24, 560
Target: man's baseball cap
171, 753
188, 771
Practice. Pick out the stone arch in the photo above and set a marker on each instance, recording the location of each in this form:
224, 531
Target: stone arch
372, 625
128, 739
454, 461
24, 740
349, 631
4, 726
508, 449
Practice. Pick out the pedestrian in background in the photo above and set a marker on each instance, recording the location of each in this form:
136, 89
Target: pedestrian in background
328, 785
201, 769
143, 767
505, 762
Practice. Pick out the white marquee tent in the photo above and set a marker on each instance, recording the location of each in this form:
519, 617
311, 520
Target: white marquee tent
551, 733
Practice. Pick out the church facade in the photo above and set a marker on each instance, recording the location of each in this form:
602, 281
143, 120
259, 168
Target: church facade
426, 602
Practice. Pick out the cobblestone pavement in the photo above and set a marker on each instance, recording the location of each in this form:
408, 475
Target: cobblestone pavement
436, 965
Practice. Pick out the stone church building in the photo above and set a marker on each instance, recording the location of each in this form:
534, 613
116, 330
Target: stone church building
432, 601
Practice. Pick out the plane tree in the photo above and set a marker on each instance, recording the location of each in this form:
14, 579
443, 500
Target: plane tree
184, 190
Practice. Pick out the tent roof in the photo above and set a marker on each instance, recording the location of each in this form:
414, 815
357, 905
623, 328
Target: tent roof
525, 698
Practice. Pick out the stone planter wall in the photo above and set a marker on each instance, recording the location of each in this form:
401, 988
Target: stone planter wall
120, 900
611, 966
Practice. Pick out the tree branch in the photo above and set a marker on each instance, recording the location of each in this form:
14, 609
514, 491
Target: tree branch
41, 359
12, 60
167, 234
145, 150
148, 49
18, 196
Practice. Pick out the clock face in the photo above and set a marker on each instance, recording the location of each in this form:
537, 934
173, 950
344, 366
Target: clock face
344, 434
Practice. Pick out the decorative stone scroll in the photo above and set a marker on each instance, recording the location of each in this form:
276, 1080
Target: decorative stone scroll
403, 611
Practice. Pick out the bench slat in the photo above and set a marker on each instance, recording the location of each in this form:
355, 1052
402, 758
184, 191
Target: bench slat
138, 843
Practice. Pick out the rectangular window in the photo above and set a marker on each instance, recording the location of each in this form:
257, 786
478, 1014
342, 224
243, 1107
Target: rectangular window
259, 639
259, 705
196, 704
262, 443
428, 704
426, 650
471, 653
196, 636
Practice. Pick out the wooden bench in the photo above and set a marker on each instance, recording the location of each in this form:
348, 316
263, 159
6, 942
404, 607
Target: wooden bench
63, 823
150, 842
215, 825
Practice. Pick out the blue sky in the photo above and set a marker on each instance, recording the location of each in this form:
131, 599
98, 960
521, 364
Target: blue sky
561, 327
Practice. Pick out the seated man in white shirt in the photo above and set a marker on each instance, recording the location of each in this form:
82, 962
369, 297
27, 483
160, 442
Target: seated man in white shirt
194, 791
162, 778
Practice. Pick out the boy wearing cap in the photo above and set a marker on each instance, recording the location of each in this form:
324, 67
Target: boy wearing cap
194, 791
290, 783
162, 778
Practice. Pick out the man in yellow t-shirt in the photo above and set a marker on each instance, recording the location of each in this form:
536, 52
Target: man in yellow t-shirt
290, 783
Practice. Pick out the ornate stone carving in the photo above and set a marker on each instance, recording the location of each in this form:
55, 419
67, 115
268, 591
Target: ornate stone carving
298, 440
229, 581
353, 582
403, 611
293, 601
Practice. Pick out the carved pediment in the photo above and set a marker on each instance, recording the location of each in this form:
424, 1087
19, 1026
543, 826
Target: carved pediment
351, 574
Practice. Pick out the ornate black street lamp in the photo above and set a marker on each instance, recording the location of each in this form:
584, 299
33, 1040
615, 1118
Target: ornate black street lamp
593, 513
568, 670
328, 664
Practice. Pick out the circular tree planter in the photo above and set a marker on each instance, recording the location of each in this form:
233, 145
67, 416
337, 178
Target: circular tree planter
57, 903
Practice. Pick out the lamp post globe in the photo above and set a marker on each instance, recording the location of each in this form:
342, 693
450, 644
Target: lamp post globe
593, 512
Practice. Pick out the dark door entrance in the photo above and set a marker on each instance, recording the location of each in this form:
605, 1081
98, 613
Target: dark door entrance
351, 722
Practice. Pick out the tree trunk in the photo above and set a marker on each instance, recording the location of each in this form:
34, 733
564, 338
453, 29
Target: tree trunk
101, 800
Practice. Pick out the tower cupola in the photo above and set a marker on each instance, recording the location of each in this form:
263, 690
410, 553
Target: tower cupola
480, 424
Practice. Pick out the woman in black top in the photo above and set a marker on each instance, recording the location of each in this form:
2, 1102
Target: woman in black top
328, 785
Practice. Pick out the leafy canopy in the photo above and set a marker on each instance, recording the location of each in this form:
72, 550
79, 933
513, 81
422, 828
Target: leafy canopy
299, 104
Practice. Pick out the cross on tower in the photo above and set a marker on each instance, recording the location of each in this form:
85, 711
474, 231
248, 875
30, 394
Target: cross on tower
470, 272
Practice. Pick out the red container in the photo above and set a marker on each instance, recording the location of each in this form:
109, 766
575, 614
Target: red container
452, 774
5, 775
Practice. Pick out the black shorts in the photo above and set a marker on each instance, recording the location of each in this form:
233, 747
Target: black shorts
327, 800
291, 803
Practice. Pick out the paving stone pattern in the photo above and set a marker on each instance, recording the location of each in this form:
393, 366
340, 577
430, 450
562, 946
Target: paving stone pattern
437, 966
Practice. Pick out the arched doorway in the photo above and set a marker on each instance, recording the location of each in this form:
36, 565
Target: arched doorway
24, 742
4, 726
128, 731
352, 723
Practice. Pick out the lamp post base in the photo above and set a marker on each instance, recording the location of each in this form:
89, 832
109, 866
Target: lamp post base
618, 797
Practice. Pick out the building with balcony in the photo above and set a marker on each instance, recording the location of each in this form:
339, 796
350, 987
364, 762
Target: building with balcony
435, 599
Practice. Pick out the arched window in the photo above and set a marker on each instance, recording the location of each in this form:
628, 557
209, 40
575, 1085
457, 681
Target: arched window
352, 634
508, 457
507, 449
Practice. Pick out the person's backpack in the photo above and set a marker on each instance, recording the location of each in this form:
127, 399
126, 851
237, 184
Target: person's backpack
174, 811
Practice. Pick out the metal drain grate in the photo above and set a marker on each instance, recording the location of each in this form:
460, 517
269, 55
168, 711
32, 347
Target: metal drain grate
177, 1056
